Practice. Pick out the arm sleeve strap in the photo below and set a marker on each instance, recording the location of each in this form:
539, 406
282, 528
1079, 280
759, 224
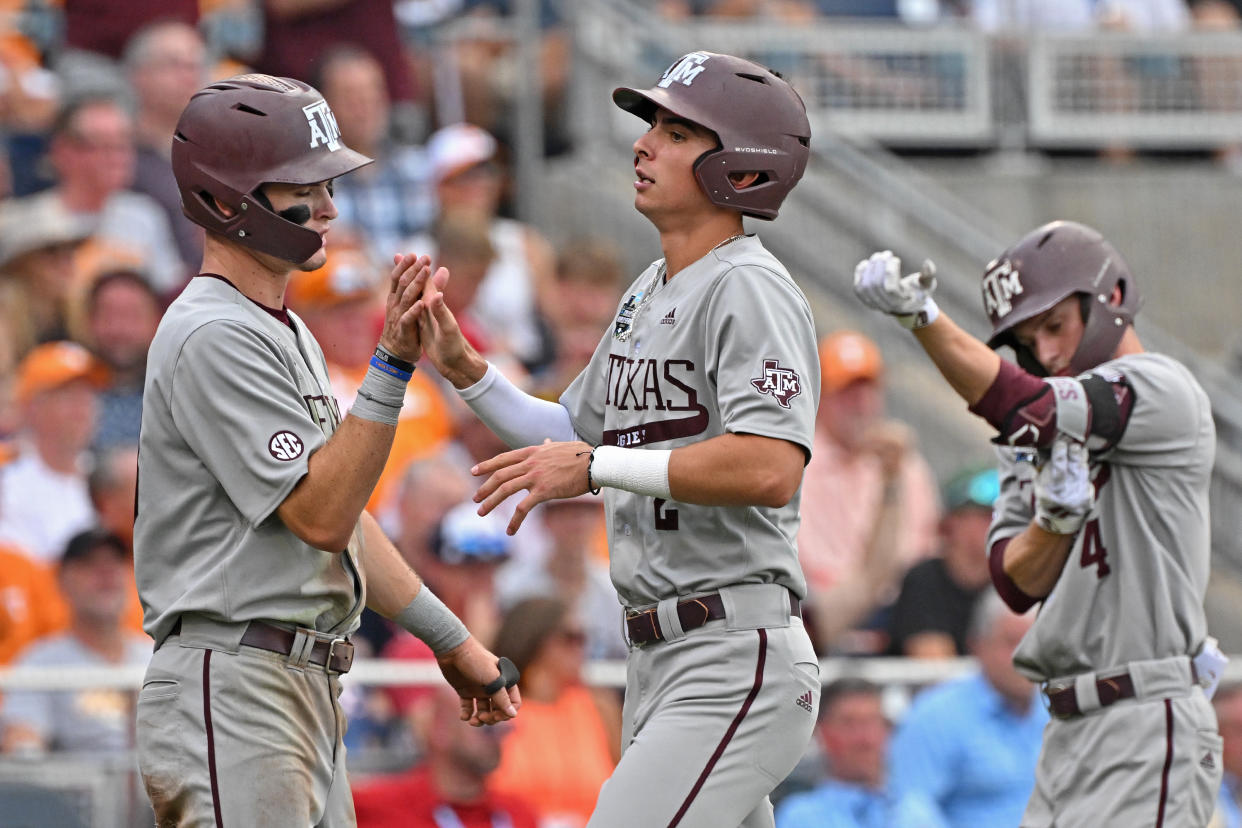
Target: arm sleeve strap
515, 416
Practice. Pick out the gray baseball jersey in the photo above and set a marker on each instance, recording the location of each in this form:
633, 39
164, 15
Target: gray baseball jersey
727, 346
235, 403
1132, 588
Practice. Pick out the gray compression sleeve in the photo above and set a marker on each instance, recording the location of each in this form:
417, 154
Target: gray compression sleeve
515, 416
428, 619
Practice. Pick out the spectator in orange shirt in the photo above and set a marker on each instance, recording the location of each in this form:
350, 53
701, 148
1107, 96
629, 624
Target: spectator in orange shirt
30, 605
869, 500
449, 787
342, 304
567, 741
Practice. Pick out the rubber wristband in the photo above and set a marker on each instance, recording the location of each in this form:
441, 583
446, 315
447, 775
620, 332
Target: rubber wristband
428, 619
392, 370
641, 471
591, 487
392, 359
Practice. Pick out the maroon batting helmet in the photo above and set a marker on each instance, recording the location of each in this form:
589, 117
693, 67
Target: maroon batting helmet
1048, 264
238, 134
758, 118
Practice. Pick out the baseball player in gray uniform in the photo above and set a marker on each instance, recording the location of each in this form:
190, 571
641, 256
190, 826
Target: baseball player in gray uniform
254, 556
1105, 456
695, 417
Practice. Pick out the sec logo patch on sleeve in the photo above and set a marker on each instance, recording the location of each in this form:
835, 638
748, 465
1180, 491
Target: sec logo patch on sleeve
782, 383
285, 445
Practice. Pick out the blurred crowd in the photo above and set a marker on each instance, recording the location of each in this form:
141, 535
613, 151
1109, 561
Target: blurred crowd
93, 246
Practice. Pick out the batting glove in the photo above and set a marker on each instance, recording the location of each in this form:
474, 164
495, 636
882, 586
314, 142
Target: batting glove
1063, 491
879, 284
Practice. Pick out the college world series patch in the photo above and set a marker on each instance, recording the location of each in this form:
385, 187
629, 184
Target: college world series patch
782, 383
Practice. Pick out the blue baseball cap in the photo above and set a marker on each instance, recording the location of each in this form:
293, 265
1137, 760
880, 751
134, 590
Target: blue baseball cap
463, 536
974, 486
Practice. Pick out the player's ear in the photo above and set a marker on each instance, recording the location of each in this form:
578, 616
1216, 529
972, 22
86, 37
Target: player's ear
742, 180
222, 208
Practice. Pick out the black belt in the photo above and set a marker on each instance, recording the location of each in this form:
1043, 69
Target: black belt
337, 653
1063, 703
644, 627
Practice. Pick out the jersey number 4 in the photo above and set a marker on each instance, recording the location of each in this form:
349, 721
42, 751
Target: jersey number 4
665, 519
1093, 551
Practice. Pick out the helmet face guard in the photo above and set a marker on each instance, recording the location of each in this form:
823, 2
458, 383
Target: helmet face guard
241, 133
757, 116
1047, 265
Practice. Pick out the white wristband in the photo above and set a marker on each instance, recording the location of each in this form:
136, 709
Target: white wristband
641, 471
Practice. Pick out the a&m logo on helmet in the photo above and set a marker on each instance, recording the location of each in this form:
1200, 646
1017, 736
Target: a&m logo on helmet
782, 383
323, 126
1001, 283
684, 70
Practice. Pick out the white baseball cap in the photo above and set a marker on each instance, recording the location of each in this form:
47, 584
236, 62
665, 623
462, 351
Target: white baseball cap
457, 147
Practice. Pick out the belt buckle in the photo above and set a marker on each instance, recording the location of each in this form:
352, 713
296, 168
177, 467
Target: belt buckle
1051, 687
347, 656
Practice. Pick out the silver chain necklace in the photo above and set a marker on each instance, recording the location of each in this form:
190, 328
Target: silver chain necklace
627, 318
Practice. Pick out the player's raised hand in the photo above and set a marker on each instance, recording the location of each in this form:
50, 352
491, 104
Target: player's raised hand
1063, 491
547, 472
443, 342
879, 284
401, 310
486, 684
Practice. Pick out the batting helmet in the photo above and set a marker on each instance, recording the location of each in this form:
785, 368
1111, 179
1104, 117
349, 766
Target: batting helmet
238, 134
758, 118
1048, 264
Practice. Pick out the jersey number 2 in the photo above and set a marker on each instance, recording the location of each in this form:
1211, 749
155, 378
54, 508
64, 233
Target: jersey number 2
665, 519
1093, 551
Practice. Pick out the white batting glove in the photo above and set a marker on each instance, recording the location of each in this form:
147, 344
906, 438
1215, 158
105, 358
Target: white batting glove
879, 284
1063, 491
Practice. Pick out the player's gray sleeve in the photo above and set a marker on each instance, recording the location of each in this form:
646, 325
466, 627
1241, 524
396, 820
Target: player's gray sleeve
515, 416
762, 355
1166, 399
234, 401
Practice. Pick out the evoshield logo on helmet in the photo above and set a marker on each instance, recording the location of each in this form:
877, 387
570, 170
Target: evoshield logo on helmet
1000, 284
323, 125
685, 70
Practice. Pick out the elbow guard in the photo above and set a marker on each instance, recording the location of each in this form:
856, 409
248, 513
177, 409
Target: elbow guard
1028, 411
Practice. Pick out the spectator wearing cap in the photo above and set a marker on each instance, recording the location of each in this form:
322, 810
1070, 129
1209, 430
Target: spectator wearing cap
870, 504
342, 303
854, 735
165, 63
391, 199
91, 148
38, 239
938, 596
970, 745
43, 494
510, 300
92, 577
466, 551
122, 313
